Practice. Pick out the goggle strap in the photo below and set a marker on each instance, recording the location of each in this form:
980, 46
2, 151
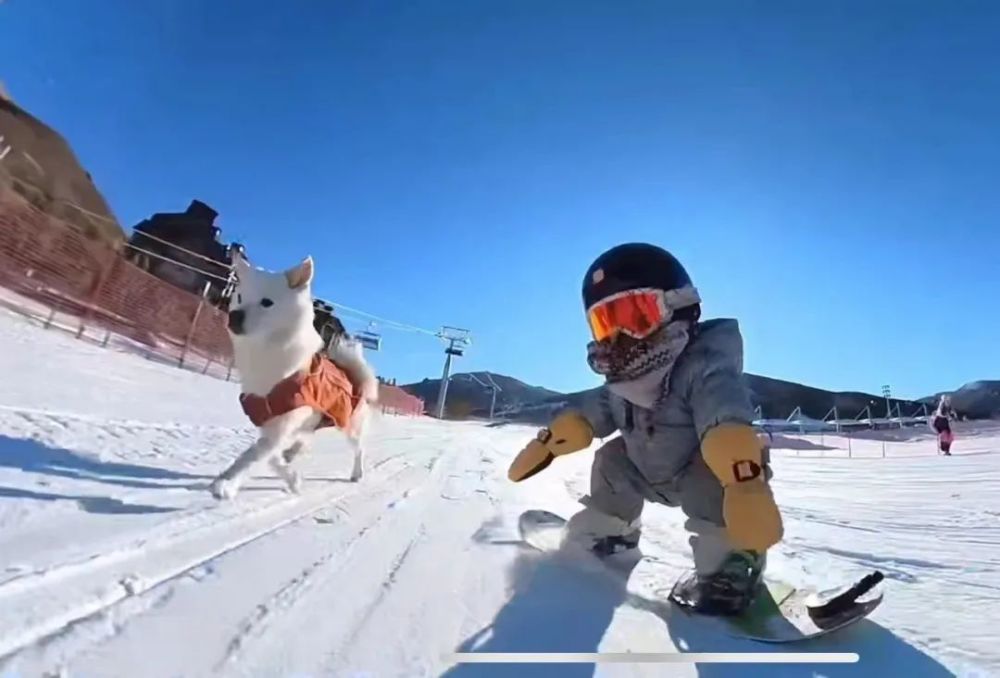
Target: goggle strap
673, 300
681, 297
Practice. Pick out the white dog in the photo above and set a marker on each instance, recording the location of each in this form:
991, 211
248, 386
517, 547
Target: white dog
290, 386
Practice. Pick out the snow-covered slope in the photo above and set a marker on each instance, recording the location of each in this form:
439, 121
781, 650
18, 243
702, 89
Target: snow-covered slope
114, 560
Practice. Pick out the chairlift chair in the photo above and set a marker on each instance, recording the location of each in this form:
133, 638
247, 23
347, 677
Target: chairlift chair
369, 338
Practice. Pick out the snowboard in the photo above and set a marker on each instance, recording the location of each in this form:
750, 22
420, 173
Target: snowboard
780, 613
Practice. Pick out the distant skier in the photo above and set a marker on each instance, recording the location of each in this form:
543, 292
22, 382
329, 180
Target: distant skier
942, 424
674, 389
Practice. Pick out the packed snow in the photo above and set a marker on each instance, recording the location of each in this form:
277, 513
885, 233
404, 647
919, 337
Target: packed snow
115, 560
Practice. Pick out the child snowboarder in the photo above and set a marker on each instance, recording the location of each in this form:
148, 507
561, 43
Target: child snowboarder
942, 425
675, 391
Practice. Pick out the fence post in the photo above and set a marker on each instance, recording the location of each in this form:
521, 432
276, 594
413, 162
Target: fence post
850, 447
194, 324
92, 300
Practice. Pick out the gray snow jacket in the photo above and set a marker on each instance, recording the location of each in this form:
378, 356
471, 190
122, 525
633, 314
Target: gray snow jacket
706, 388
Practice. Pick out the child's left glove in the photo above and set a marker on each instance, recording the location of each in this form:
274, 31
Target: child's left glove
733, 453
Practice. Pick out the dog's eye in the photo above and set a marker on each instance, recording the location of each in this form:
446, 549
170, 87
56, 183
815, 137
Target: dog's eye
266, 303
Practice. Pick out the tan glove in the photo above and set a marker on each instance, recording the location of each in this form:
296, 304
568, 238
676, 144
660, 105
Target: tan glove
569, 432
733, 452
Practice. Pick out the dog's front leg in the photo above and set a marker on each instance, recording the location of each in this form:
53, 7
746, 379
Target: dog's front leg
276, 436
358, 471
227, 484
297, 448
281, 465
356, 435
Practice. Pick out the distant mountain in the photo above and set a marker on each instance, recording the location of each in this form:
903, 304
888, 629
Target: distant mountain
467, 397
776, 398
976, 400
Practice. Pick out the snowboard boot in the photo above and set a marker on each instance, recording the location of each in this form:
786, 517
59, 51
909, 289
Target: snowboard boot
612, 544
602, 533
728, 591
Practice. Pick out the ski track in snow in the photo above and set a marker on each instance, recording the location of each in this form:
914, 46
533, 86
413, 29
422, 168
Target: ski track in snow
114, 560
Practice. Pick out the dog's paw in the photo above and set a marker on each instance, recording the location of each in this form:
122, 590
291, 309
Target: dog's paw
224, 488
356, 475
293, 481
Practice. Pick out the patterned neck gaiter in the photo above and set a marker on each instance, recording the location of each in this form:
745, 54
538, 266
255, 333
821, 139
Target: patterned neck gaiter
639, 370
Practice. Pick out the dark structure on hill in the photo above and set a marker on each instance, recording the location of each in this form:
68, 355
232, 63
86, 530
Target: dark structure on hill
184, 249
37, 163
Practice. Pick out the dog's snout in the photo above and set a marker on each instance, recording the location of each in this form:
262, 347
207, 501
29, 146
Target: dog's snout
236, 319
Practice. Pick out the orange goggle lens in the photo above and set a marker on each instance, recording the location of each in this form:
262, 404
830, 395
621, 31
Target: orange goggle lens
637, 313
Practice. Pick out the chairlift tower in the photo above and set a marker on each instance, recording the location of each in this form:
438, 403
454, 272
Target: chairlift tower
492, 387
457, 339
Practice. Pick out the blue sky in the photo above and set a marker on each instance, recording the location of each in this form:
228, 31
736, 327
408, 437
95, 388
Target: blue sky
828, 172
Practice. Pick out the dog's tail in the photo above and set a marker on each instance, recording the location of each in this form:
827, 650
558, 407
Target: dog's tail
350, 357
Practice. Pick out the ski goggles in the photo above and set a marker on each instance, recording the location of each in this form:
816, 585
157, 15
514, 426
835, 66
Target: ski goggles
637, 313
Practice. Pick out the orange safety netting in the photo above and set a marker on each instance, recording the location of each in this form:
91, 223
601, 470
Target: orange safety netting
52, 272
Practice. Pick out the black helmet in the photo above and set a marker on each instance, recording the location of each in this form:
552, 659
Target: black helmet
631, 266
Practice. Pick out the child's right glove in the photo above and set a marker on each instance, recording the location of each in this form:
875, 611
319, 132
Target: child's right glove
733, 453
569, 432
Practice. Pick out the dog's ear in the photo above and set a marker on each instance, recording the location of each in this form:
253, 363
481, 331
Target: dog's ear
300, 276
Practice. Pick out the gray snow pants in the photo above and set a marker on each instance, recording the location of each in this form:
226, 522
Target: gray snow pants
618, 488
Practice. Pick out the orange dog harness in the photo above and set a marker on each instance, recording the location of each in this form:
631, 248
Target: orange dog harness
324, 387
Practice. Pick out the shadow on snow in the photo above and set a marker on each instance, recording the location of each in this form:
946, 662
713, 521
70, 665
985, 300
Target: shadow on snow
558, 607
33, 457
89, 504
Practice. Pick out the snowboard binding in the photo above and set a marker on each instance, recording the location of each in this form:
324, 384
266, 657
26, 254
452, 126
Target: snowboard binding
727, 592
